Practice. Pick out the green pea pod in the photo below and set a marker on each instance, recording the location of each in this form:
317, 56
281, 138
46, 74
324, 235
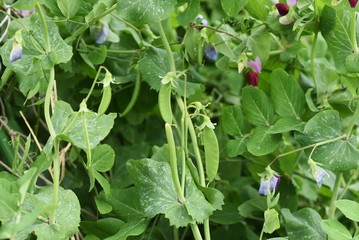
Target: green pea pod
211, 151
105, 101
164, 102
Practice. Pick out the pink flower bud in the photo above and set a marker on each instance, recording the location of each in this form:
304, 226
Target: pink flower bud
282, 8
353, 3
252, 78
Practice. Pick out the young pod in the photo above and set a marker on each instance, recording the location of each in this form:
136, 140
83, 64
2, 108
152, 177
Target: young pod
211, 151
105, 101
164, 102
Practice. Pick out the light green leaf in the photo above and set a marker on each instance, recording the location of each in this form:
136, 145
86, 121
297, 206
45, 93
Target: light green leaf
271, 221
258, 9
237, 146
349, 208
259, 42
288, 97
286, 125
232, 7
335, 28
327, 81
103, 158
98, 56
352, 63
252, 207
103, 182
256, 107
69, 8
303, 224
221, 41
335, 229
145, 11
232, 120
323, 126
261, 142
154, 181
24, 4
190, 13
61, 114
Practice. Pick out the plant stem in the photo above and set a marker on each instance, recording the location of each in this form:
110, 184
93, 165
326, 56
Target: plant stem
56, 181
46, 32
335, 194
354, 119
353, 31
50, 86
167, 47
309, 146
312, 59
196, 232
83, 28
173, 163
93, 84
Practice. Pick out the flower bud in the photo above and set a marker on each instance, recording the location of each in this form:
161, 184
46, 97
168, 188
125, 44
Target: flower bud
353, 3
285, 20
268, 185
252, 78
211, 53
282, 8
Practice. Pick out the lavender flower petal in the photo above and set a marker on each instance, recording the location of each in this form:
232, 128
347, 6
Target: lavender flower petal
255, 65
292, 2
16, 52
102, 35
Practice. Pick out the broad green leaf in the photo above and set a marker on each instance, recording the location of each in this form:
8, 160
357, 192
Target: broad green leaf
327, 81
69, 8
24, 4
232, 7
102, 228
97, 128
145, 11
253, 207
286, 125
67, 215
132, 228
303, 224
288, 97
271, 221
154, 181
102, 206
237, 146
337, 156
61, 114
228, 215
232, 121
190, 13
335, 229
256, 107
335, 28
103, 157
261, 142
259, 42
33, 68
103, 182
258, 9
98, 56
352, 63
221, 41
349, 208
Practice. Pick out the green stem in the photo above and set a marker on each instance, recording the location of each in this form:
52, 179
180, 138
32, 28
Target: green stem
88, 149
93, 84
353, 31
354, 120
46, 32
48, 95
83, 28
312, 59
56, 182
309, 146
196, 232
353, 177
173, 163
167, 47
134, 97
335, 194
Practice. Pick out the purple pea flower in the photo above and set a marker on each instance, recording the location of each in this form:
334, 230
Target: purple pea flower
211, 53
353, 3
16, 51
252, 78
268, 185
255, 67
292, 3
284, 10
26, 13
102, 34
319, 173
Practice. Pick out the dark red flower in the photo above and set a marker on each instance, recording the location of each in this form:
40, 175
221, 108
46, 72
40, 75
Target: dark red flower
252, 78
353, 3
283, 8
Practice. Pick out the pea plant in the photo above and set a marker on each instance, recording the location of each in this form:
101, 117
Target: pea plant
179, 119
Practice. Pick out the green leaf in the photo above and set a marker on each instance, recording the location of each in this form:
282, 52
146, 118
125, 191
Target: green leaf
335, 28
61, 114
104, 183
154, 181
335, 229
24, 4
145, 11
221, 41
352, 63
303, 224
189, 14
232, 7
232, 120
69, 8
259, 42
98, 56
261, 142
237, 146
327, 81
271, 221
132, 228
102, 228
287, 95
256, 107
253, 207
67, 215
103, 158
286, 125
97, 128
337, 156
258, 9
228, 215
349, 208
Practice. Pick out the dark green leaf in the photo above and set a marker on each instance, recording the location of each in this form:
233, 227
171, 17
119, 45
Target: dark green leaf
237, 146
261, 142
103, 158
102, 228
190, 13
232, 121
286, 125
